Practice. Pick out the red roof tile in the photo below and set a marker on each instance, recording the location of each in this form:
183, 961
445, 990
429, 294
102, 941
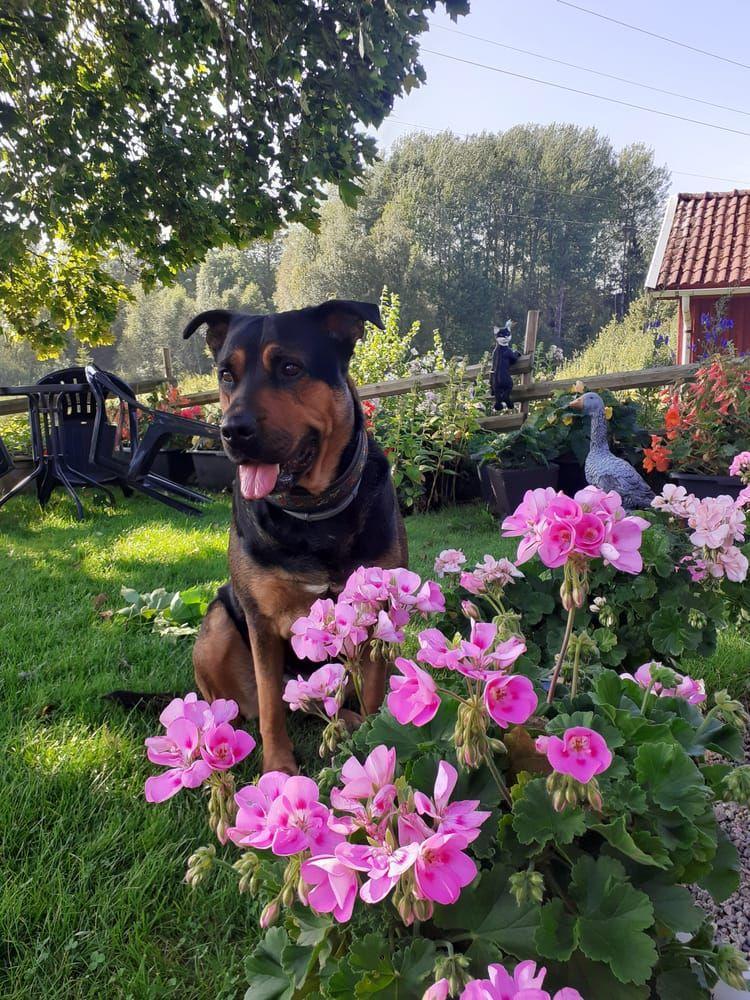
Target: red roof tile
708, 245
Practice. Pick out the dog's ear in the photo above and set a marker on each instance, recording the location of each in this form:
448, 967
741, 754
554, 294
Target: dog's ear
345, 320
217, 321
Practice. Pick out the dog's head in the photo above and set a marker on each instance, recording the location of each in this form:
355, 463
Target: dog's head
288, 408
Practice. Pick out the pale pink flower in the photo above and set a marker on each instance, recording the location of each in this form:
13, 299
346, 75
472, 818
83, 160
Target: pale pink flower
223, 746
299, 821
251, 827
316, 636
461, 817
675, 500
716, 522
430, 598
581, 752
622, 544
386, 631
743, 500
474, 582
438, 991
442, 869
334, 886
382, 864
733, 564
413, 697
479, 656
692, 690
449, 561
740, 464
593, 500
178, 750
436, 650
324, 686
365, 780
510, 700
500, 571
367, 585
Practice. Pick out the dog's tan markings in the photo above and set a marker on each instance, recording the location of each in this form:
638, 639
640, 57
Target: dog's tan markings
223, 663
237, 363
269, 355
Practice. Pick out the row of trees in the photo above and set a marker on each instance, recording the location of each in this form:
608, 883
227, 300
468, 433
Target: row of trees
467, 231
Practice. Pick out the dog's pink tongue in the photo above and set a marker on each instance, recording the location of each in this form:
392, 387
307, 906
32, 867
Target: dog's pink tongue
257, 481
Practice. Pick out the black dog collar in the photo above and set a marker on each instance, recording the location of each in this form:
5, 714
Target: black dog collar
339, 495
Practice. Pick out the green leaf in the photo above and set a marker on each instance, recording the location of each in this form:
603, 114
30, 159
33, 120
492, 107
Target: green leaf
556, 936
724, 878
617, 835
399, 977
489, 913
594, 980
410, 741
264, 969
613, 916
535, 821
672, 633
680, 984
673, 905
349, 192
671, 778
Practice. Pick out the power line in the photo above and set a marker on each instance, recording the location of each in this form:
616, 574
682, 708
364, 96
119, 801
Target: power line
466, 135
654, 34
588, 93
595, 72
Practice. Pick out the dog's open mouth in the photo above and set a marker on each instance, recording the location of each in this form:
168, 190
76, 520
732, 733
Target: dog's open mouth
258, 479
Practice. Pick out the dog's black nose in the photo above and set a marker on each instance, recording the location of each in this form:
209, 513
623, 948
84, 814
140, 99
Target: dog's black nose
238, 431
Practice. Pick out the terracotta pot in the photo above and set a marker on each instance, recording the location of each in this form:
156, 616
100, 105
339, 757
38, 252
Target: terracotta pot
508, 486
708, 486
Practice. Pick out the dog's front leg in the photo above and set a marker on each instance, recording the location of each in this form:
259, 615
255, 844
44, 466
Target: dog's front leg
268, 658
373, 681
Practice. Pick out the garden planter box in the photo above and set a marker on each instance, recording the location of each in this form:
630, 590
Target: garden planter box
507, 486
174, 464
213, 470
572, 477
708, 486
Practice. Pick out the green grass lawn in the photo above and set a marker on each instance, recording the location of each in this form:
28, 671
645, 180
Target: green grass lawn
91, 898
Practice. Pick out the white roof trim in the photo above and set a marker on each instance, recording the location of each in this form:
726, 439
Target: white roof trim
652, 277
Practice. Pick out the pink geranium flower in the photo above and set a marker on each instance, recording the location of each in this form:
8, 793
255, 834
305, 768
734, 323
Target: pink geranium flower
251, 827
622, 544
436, 650
743, 500
510, 700
675, 500
438, 991
324, 686
593, 500
558, 539
413, 697
383, 865
449, 561
740, 464
365, 780
298, 821
386, 630
179, 750
581, 752
442, 869
334, 886
223, 746
589, 535
479, 656
525, 984
461, 818
190, 707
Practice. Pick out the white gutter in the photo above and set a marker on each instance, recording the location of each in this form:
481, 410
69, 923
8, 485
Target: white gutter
652, 277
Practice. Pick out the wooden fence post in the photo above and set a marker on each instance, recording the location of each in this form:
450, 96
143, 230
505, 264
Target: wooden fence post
168, 373
529, 347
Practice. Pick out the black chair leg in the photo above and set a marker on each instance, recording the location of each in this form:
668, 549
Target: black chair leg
15, 490
73, 495
183, 508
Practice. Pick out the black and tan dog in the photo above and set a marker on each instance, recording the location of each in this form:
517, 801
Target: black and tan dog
313, 500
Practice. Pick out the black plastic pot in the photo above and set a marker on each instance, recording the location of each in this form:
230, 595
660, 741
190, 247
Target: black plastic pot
174, 464
507, 486
213, 470
572, 476
708, 486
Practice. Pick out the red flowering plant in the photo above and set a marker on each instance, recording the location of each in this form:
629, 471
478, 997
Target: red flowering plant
501, 828
706, 422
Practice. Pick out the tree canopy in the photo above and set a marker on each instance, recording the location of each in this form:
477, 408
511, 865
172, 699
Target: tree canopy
170, 127
477, 229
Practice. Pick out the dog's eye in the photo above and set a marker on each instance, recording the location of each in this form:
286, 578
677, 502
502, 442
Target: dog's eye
290, 369
226, 378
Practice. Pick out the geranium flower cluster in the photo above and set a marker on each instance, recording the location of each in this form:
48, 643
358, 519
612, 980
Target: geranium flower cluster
198, 741
576, 758
525, 983
741, 467
647, 676
377, 837
716, 524
570, 532
491, 691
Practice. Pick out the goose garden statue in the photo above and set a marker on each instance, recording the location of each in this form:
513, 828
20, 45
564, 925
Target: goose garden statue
602, 468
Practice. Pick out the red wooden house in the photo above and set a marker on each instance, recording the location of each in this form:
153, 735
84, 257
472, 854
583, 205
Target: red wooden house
702, 259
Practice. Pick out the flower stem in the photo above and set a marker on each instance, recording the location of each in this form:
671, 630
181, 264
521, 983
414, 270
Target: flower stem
646, 693
576, 664
561, 655
498, 779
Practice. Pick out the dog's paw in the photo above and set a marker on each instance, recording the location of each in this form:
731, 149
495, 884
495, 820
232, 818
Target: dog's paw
280, 759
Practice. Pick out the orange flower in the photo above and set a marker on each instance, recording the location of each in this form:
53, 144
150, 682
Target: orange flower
657, 456
672, 417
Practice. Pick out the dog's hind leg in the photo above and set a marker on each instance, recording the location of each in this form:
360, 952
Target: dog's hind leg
223, 662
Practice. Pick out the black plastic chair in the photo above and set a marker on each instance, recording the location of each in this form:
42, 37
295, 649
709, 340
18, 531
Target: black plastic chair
135, 466
6, 462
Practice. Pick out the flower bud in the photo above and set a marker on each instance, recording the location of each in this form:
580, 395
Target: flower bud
405, 911
423, 909
270, 914
730, 966
737, 785
199, 865
733, 712
527, 887
246, 865
287, 895
471, 611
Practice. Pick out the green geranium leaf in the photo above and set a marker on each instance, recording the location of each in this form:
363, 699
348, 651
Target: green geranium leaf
681, 984
672, 633
556, 936
673, 905
265, 972
535, 821
617, 835
595, 980
410, 741
613, 917
724, 878
489, 913
401, 977
671, 778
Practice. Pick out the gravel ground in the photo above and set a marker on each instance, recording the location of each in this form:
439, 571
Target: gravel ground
732, 917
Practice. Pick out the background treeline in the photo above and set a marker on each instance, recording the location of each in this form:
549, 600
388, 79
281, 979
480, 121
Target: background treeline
466, 230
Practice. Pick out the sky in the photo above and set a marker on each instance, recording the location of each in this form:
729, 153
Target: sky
468, 99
